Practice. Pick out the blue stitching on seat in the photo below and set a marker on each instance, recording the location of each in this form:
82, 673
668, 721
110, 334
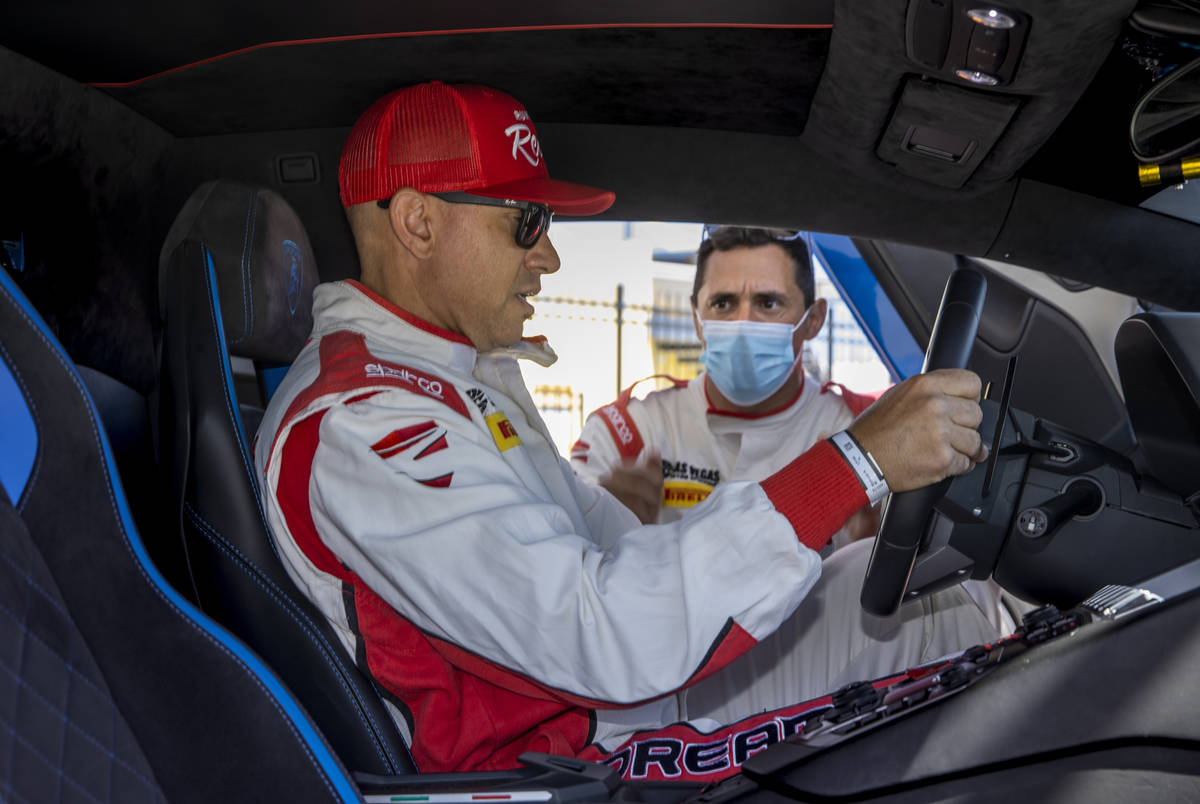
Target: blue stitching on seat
50, 648
235, 417
389, 758
62, 747
296, 614
289, 607
53, 766
69, 722
144, 570
280, 699
49, 598
22, 622
37, 460
10, 790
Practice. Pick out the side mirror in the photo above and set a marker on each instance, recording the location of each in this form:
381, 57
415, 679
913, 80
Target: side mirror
1165, 124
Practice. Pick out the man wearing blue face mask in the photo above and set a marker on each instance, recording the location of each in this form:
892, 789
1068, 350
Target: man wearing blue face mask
750, 414
751, 411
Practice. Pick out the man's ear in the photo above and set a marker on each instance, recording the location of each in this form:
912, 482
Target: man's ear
411, 217
813, 320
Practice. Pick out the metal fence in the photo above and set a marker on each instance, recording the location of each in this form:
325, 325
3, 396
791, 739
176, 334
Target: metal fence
676, 348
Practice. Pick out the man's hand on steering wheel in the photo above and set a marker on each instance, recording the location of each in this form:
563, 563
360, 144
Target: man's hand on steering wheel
923, 429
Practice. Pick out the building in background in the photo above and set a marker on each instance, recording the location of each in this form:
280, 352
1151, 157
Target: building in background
619, 310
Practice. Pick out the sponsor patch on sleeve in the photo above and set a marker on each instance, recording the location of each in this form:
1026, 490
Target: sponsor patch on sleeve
503, 431
623, 430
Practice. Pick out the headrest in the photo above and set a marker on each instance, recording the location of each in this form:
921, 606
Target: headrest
264, 266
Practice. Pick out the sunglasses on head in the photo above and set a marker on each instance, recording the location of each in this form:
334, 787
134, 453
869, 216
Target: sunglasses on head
535, 218
783, 235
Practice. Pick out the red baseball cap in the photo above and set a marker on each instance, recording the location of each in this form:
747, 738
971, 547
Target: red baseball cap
440, 138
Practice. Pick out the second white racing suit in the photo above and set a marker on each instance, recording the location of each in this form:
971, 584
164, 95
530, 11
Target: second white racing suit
701, 445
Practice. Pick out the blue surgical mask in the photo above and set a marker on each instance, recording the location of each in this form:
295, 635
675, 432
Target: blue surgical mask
748, 360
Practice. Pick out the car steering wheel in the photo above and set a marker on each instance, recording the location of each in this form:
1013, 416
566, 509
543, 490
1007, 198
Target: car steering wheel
906, 514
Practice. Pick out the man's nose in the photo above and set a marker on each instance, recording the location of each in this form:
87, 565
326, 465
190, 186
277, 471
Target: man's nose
543, 256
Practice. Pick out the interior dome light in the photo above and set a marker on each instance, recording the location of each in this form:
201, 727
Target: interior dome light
992, 18
976, 77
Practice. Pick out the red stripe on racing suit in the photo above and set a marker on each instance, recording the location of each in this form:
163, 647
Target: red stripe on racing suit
615, 416
460, 720
467, 713
856, 402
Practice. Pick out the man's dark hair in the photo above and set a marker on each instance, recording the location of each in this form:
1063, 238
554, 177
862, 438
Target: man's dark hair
724, 238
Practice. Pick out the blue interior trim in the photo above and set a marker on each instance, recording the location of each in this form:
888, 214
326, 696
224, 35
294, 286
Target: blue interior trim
871, 307
345, 789
20, 435
218, 324
272, 377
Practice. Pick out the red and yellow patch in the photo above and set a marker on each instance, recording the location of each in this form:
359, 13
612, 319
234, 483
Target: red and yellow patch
503, 431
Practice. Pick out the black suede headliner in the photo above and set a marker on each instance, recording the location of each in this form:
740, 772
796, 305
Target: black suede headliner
95, 42
683, 123
81, 178
868, 66
734, 79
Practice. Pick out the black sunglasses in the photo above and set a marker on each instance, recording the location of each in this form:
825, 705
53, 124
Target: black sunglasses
535, 218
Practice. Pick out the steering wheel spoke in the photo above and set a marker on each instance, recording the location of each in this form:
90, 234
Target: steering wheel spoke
906, 514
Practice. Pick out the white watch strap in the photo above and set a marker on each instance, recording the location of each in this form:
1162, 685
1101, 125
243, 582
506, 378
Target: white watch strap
863, 464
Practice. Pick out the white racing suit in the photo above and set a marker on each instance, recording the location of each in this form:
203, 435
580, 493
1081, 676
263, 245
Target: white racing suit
702, 446
505, 605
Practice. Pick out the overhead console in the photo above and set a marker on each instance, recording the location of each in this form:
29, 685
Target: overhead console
958, 94
974, 41
941, 131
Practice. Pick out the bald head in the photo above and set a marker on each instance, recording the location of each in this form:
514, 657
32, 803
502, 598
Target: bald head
455, 265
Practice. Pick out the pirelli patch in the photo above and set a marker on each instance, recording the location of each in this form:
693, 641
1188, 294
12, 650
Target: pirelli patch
684, 494
503, 431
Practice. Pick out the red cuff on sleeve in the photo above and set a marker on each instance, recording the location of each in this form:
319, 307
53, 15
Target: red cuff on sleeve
817, 493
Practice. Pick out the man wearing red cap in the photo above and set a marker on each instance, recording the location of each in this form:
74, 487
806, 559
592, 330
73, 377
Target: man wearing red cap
502, 604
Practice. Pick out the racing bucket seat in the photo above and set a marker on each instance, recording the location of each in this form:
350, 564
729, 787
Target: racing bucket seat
236, 277
116, 688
